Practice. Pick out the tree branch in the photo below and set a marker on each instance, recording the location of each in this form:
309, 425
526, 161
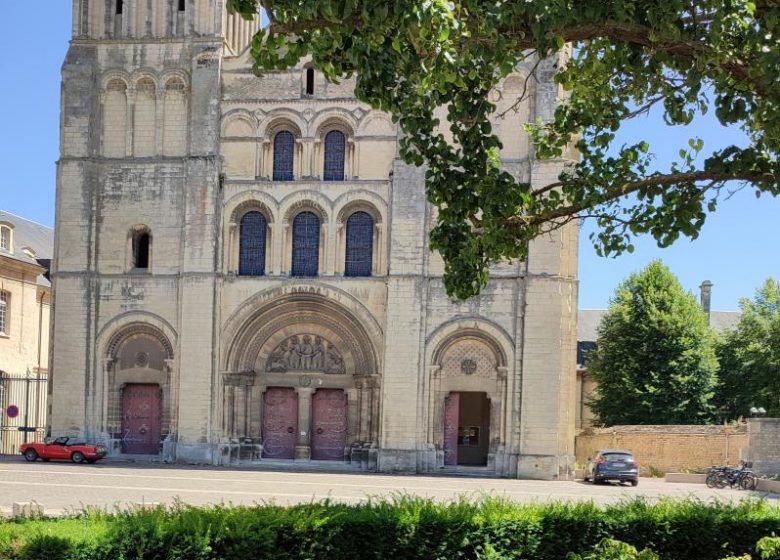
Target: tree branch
626, 189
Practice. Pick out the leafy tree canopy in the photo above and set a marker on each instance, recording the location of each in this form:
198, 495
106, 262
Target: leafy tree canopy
626, 56
749, 357
655, 360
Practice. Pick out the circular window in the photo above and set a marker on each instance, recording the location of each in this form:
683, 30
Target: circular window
141, 359
468, 366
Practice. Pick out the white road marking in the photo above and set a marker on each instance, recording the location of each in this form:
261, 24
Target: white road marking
332, 479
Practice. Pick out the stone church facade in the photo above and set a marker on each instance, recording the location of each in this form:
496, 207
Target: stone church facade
242, 271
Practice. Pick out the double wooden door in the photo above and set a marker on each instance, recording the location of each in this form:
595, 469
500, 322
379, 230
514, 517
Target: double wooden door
328, 424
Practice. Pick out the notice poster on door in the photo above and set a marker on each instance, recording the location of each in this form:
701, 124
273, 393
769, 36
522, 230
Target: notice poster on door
468, 436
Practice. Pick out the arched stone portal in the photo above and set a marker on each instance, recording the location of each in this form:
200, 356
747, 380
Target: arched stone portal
468, 396
138, 367
306, 348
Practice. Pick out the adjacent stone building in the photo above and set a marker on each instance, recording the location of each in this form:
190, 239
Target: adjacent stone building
243, 274
25, 299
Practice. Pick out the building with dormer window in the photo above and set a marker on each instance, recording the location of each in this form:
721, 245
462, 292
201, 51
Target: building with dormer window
25, 300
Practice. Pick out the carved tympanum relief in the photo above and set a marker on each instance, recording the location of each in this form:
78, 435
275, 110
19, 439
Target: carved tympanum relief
305, 352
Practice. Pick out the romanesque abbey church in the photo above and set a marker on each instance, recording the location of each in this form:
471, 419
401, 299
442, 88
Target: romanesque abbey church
242, 272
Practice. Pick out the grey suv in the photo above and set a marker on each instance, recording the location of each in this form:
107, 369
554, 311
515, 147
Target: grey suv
612, 464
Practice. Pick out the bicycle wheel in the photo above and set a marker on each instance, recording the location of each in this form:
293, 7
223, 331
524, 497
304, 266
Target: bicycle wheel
710, 480
721, 481
749, 481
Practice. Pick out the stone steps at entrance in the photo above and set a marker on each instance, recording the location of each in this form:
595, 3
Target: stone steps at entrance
289, 465
475, 472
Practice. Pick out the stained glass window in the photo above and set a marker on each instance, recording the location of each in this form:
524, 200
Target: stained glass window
251, 257
360, 245
335, 144
306, 245
284, 146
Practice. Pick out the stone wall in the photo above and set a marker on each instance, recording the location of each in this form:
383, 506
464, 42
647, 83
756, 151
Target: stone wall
668, 448
764, 448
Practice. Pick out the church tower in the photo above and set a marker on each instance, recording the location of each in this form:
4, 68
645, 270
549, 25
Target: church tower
136, 234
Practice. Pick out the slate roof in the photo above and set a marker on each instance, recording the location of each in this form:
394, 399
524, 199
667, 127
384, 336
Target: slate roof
588, 321
29, 234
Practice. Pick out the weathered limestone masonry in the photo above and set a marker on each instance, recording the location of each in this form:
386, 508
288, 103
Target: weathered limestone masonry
243, 272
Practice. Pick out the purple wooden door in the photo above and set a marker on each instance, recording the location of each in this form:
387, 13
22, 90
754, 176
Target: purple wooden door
329, 425
141, 412
451, 417
280, 423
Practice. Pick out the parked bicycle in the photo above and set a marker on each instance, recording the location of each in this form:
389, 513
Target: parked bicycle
741, 477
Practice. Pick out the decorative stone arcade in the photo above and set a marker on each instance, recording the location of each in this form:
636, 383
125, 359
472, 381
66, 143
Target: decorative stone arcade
301, 382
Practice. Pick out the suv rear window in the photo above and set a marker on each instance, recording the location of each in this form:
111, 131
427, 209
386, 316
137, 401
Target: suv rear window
618, 457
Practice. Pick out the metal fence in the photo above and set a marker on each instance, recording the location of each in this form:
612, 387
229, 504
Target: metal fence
23, 402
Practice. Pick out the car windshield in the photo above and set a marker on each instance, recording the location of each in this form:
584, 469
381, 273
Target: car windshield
618, 457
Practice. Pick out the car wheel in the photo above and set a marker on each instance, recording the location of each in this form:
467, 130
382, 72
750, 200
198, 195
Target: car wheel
635, 482
31, 455
594, 480
77, 457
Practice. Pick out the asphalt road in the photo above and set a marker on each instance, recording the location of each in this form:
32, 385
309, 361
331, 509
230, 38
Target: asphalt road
63, 487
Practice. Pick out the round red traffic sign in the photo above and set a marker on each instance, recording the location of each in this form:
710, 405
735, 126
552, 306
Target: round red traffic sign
12, 411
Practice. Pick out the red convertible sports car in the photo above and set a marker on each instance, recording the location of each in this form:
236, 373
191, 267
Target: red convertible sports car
69, 449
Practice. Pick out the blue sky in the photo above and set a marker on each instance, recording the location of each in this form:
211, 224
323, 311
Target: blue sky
737, 249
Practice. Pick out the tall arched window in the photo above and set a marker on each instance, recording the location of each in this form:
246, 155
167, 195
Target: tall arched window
251, 258
306, 245
142, 241
284, 146
335, 146
360, 245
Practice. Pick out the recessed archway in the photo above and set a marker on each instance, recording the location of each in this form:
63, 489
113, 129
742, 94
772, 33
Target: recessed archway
313, 348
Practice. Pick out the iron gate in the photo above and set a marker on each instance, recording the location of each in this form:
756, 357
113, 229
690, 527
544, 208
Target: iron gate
23, 401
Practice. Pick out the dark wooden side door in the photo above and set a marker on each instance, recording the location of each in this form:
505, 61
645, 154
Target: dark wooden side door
329, 425
451, 422
280, 423
141, 418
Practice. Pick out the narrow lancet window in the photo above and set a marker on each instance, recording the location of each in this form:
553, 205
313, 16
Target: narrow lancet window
310, 81
141, 246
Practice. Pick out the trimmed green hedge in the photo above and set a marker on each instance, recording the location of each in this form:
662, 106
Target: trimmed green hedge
405, 529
